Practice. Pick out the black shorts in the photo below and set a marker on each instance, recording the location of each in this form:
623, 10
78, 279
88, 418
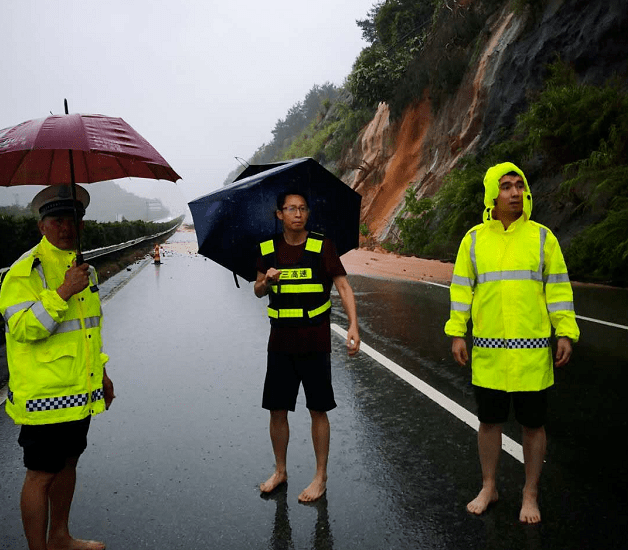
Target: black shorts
47, 447
494, 405
286, 371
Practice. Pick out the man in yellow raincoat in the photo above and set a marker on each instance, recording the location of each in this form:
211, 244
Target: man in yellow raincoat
57, 376
510, 278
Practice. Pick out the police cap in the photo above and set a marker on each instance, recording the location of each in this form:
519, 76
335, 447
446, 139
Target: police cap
57, 199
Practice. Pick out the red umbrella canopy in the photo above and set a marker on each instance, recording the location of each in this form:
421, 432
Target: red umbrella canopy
104, 148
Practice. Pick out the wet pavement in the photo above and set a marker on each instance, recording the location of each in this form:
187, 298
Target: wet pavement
176, 462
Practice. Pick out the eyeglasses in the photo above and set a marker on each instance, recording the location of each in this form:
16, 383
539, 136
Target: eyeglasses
293, 209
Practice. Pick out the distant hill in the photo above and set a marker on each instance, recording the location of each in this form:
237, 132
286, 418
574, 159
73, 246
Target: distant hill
108, 203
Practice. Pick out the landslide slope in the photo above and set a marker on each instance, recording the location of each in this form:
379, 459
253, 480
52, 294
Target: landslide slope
509, 63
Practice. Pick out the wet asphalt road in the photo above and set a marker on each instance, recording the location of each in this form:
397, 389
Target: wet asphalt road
176, 462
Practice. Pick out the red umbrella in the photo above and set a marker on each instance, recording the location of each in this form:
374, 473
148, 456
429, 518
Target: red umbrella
75, 148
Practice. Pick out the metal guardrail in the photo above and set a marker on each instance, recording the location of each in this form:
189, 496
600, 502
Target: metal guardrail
90, 254
98, 252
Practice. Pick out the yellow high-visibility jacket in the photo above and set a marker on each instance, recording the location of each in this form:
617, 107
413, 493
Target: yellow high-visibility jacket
53, 347
514, 285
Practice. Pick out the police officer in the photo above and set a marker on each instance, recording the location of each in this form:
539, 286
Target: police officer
297, 270
511, 278
57, 376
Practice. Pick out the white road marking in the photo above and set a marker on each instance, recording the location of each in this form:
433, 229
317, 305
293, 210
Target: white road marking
510, 446
590, 319
598, 321
435, 284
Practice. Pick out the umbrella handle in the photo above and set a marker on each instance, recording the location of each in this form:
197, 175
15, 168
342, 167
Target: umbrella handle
77, 224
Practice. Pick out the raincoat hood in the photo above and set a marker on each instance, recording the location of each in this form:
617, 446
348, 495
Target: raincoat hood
491, 189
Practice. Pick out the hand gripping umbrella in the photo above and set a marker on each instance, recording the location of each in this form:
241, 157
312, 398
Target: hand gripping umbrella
232, 221
75, 148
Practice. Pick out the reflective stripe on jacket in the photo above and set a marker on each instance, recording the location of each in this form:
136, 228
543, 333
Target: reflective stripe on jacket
514, 285
300, 298
53, 346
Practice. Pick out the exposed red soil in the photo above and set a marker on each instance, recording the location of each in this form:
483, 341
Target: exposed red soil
402, 167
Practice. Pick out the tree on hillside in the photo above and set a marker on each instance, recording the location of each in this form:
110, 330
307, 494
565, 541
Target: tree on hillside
369, 29
287, 129
395, 30
391, 22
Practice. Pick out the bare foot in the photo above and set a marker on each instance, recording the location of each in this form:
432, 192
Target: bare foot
76, 544
273, 482
314, 490
480, 503
530, 512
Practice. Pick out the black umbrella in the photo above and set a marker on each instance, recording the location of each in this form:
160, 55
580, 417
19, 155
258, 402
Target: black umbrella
232, 221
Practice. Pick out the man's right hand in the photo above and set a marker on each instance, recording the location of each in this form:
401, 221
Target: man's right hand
76, 280
459, 349
272, 277
265, 280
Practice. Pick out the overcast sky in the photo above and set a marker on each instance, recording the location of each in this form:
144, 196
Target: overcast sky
203, 81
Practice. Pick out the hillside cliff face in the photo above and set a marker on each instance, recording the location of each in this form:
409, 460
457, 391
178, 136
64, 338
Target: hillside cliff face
420, 148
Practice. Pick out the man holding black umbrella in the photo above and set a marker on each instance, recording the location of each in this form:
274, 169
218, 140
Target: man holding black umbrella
297, 270
57, 370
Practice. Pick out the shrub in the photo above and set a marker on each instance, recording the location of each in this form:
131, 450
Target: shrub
19, 234
311, 142
350, 123
569, 120
434, 226
415, 223
600, 252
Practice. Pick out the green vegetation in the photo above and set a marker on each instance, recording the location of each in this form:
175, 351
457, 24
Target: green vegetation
412, 45
350, 124
311, 142
416, 45
433, 227
328, 138
19, 234
584, 130
569, 120
322, 126
577, 129
600, 252
396, 32
574, 130
302, 123
96, 235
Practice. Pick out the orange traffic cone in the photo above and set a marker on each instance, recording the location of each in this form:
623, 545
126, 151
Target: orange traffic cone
156, 255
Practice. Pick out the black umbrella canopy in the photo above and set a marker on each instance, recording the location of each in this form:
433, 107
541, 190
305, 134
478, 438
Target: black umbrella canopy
232, 221
253, 169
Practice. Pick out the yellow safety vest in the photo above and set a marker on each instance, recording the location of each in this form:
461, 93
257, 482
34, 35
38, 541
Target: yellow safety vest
53, 346
300, 298
514, 285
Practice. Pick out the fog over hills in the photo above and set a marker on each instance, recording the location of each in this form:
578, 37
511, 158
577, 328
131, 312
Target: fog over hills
108, 202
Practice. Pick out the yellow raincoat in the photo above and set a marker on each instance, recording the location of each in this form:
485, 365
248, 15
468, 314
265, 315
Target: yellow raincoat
53, 346
514, 285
